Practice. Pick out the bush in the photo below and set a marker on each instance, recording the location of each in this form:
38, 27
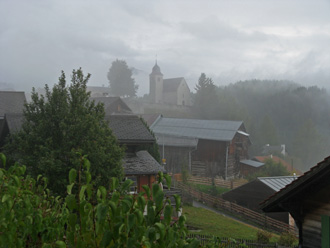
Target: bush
287, 239
31, 217
263, 236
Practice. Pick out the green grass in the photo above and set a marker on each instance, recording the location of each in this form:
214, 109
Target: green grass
209, 189
215, 224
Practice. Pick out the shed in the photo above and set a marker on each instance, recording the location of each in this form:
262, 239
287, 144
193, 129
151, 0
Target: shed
251, 194
307, 199
249, 167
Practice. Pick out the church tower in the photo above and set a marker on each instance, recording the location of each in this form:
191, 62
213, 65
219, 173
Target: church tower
156, 85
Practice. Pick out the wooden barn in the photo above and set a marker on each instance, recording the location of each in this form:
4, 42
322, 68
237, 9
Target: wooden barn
208, 147
307, 199
251, 194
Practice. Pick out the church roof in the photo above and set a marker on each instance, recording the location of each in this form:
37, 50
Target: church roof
156, 70
171, 84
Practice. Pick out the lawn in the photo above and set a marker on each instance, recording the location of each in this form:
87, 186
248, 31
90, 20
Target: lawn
215, 224
209, 189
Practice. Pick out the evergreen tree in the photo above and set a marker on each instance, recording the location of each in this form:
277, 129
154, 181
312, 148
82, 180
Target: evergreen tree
206, 99
120, 79
60, 125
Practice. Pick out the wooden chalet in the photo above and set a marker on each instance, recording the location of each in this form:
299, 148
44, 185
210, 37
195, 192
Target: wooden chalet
132, 133
307, 199
206, 147
251, 194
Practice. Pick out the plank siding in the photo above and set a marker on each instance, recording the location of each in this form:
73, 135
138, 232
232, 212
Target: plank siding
315, 206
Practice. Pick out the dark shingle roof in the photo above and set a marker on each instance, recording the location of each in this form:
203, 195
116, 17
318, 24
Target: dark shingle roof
150, 118
141, 163
129, 129
14, 121
110, 104
11, 102
171, 84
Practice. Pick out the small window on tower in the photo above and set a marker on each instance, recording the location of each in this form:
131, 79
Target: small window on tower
158, 79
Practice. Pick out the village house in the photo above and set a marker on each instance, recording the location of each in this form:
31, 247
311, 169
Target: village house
132, 133
205, 147
307, 199
251, 194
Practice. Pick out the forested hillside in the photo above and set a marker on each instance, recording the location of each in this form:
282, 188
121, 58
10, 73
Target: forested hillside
274, 112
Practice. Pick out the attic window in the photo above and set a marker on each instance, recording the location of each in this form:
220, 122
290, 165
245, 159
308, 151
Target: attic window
118, 108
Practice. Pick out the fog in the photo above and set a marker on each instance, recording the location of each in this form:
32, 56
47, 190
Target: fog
229, 41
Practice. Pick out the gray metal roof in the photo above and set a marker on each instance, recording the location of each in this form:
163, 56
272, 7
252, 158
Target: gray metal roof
176, 141
252, 163
141, 163
202, 129
277, 183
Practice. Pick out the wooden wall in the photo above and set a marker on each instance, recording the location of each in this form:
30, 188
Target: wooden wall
314, 207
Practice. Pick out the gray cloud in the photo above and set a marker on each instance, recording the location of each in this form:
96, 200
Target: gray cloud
228, 40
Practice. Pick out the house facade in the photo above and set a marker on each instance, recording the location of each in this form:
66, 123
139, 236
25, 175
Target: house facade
307, 199
207, 147
174, 91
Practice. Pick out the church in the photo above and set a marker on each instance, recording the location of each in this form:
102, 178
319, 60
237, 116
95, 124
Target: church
173, 91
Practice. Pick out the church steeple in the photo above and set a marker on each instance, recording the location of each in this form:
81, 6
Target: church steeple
156, 70
156, 84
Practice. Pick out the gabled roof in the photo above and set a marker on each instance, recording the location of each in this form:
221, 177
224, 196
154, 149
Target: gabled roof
111, 103
141, 163
129, 129
11, 102
171, 84
14, 121
298, 188
277, 183
276, 159
150, 118
252, 163
201, 129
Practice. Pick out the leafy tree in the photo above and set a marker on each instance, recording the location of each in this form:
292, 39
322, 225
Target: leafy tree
60, 124
120, 79
270, 169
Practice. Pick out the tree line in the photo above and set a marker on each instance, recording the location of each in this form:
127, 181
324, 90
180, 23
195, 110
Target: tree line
274, 112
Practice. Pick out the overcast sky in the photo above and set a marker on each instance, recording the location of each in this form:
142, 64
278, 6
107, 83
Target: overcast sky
228, 40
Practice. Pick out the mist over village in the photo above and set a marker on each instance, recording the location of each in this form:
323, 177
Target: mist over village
164, 124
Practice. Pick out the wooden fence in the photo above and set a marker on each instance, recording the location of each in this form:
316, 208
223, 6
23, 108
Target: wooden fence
248, 214
230, 184
228, 242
